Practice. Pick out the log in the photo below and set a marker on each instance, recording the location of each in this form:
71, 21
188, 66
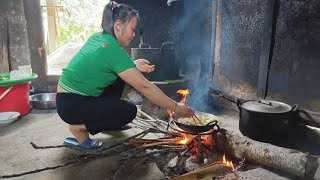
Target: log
207, 172
291, 161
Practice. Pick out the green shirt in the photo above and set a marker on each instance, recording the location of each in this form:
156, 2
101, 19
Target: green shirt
95, 66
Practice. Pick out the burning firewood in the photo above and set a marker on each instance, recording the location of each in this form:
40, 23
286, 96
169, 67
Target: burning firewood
206, 172
144, 143
152, 142
291, 161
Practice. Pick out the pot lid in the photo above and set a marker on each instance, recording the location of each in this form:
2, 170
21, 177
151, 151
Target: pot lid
266, 106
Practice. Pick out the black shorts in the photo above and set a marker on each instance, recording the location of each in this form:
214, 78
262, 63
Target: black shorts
106, 112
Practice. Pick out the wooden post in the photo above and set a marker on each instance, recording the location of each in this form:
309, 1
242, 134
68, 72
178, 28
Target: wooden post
270, 20
17, 35
214, 5
38, 55
4, 61
52, 31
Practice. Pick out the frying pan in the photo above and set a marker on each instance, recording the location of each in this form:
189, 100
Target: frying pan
196, 129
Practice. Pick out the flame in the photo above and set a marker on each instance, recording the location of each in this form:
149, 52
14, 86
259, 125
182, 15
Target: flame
186, 139
184, 94
227, 163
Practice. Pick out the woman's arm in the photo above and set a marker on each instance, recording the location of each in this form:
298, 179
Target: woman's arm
133, 77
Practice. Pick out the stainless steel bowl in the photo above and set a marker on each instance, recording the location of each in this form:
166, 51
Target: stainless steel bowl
43, 101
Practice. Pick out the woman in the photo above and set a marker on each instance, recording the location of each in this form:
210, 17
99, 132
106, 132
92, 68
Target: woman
90, 87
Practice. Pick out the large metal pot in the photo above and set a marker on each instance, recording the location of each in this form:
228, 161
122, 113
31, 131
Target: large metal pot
263, 119
167, 68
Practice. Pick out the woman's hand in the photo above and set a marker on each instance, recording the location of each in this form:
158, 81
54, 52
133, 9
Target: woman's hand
184, 110
144, 65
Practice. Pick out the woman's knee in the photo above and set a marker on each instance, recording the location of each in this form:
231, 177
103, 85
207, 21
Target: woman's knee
132, 111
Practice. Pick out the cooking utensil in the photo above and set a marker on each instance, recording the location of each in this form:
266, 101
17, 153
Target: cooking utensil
7, 118
43, 101
167, 67
260, 119
196, 129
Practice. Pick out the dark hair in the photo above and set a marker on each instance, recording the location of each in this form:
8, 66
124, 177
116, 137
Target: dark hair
113, 12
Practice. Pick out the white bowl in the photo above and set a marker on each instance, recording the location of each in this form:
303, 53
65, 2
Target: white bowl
8, 117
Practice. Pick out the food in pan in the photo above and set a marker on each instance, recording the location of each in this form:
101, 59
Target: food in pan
194, 122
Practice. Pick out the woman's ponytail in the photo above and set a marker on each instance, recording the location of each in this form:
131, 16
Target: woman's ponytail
113, 12
107, 19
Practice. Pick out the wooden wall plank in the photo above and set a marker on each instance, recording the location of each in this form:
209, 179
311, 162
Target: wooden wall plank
271, 14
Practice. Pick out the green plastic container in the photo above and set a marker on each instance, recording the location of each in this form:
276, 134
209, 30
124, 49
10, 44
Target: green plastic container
9, 82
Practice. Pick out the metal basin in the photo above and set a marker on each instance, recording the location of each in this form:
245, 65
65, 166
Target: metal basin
43, 101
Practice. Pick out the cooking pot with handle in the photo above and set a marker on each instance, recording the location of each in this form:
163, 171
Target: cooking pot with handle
166, 65
263, 119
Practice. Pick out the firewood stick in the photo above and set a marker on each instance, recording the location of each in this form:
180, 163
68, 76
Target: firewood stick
188, 148
157, 143
151, 119
152, 123
124, 140
291, 161
207, 172
146, 115
165, 132
152, 140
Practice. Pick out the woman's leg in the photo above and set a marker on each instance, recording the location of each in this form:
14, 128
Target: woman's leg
65, 103
79, 131
108, 114
101, 113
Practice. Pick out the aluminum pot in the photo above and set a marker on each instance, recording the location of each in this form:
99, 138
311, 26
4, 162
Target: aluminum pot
263, 119
167, 68
43, 101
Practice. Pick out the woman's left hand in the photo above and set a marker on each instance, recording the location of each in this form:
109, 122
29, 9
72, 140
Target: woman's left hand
144, 65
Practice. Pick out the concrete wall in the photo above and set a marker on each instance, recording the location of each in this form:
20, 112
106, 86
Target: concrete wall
157, 20
295, 68
294, 71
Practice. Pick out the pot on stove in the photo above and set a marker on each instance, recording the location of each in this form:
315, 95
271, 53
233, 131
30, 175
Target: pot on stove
167, 68
263, 120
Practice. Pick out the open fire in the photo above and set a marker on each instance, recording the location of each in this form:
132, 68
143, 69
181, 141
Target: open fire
200, 143
227, 163
196, 149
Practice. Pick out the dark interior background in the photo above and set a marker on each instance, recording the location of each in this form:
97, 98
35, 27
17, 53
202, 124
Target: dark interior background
224, 40
220, 44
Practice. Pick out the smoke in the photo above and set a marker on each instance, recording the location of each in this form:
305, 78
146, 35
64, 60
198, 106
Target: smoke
195, 25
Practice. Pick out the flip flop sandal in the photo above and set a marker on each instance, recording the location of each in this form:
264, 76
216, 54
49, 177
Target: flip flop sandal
125, 127
88, 144
91, 144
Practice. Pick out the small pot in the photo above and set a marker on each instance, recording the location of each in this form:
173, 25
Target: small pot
263, 119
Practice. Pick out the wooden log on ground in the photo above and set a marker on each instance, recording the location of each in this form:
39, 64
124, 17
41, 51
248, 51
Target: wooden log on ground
291, 161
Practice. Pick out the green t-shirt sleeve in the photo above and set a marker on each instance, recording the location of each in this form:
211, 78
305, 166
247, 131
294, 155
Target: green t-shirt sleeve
120, 61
